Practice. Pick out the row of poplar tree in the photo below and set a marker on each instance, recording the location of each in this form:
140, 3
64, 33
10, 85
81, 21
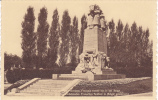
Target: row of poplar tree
41, 48
127, 46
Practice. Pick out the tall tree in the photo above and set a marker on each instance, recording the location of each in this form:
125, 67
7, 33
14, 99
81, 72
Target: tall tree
54, 39
74, 38
129, 47
42, 32
150, 50
146, 47
146, 39
65, 32
139, 46
83, 27
119, 45
125, 45
28, 44
133, 44
119, 29
112, 41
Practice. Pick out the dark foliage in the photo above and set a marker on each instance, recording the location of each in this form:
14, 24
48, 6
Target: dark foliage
28, 44
74, 41
83, 27
23, 74
11, 61
54, 39
65, 37
42, 35
129, 48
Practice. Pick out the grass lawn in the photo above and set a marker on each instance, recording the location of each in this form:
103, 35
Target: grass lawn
141, 86
126, 86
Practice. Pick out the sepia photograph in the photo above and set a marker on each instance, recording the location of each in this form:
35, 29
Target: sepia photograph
84, 48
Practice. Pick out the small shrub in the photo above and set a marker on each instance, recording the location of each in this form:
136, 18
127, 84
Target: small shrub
11, 76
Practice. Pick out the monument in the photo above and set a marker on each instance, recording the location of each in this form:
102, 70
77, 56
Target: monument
94, 61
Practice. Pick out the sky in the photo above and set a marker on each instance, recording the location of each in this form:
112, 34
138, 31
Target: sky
142, 12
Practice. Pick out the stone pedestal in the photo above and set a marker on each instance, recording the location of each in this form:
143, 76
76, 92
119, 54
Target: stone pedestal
95, 41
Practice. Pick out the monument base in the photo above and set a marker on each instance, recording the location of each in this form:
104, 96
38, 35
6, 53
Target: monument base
109, 76
108, 71
99, 71
82, 76
106, 74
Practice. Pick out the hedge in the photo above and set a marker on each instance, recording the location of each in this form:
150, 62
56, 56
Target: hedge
19, 74
134, 72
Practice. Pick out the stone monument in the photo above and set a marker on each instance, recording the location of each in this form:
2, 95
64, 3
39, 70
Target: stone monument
94, 58
95, 43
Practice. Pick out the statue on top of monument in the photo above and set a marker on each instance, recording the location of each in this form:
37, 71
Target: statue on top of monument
96, 18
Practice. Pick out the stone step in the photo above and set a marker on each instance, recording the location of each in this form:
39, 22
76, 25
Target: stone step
72, 78
82, 74
74, 75
58, 84
50, 84
77, 77
38, 84
53, 81
39, 93
44, 88
47, 86
23, 94
41, 90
